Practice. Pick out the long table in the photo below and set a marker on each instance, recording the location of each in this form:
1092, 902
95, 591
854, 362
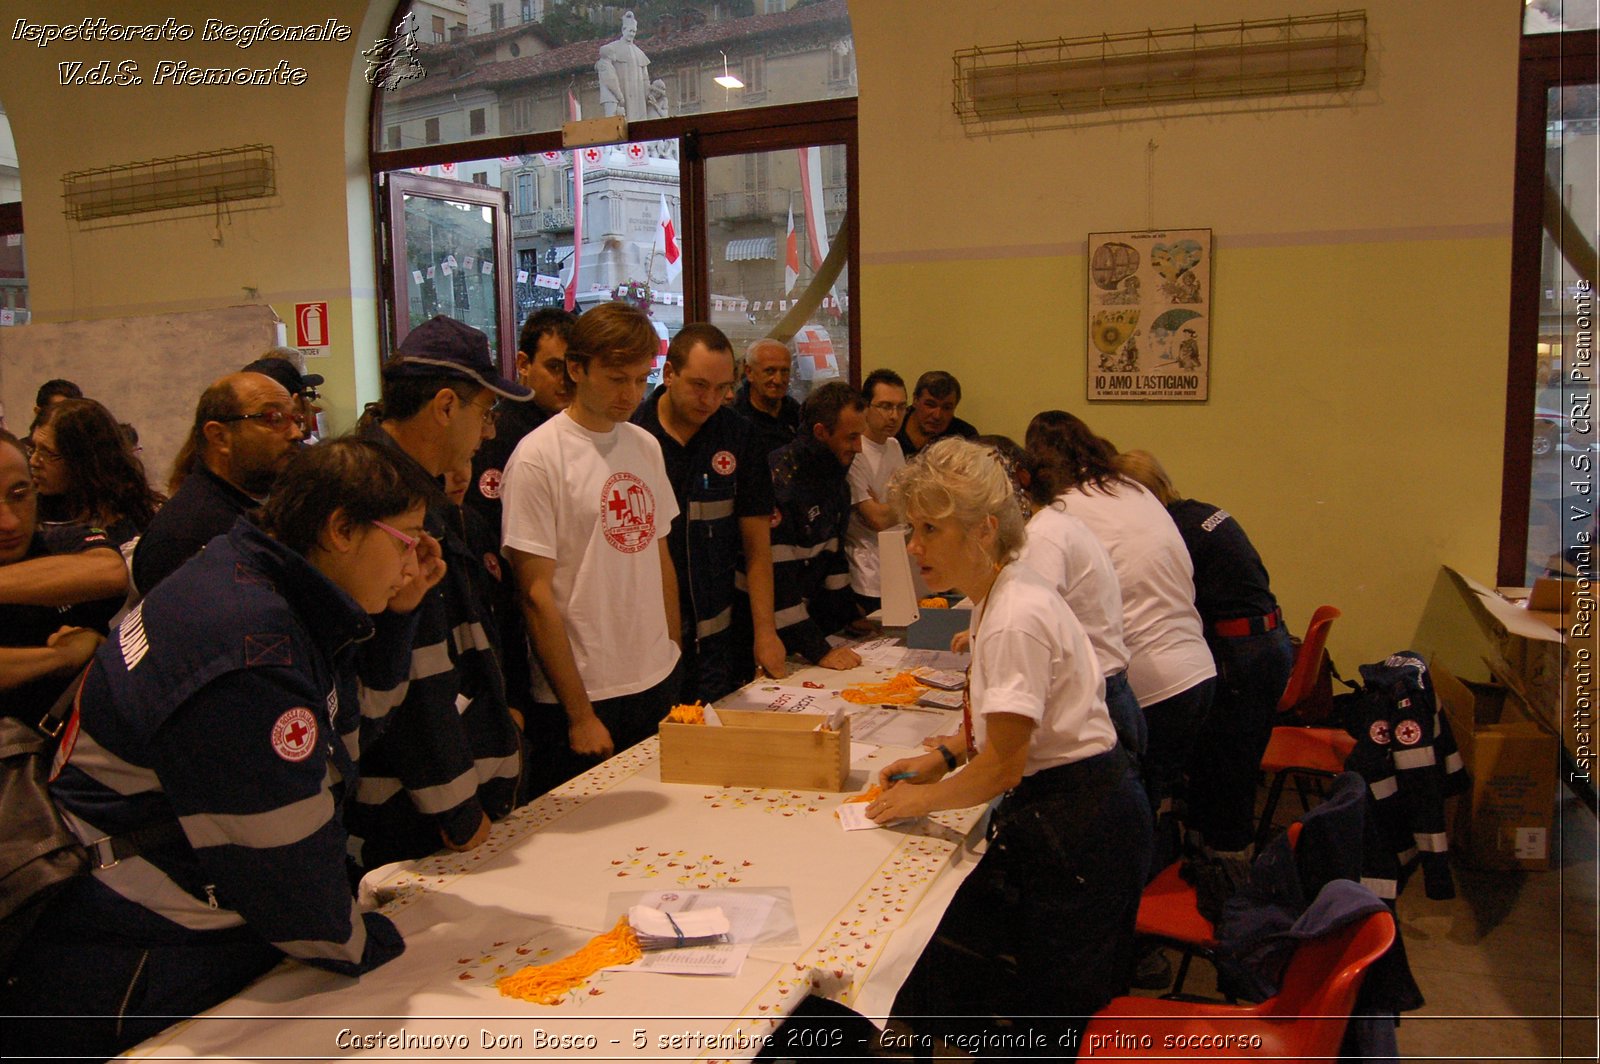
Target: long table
864, 902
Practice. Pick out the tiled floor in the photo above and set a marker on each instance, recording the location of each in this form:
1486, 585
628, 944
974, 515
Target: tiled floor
1508, 966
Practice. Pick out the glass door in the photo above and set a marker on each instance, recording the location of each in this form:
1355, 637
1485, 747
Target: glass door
450, 249
780, 247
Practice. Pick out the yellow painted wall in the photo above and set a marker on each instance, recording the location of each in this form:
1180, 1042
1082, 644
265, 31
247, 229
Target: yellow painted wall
1361, 282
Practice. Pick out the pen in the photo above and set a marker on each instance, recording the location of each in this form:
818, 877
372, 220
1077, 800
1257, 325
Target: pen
898, 776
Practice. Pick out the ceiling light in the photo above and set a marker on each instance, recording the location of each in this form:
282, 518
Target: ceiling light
727, 80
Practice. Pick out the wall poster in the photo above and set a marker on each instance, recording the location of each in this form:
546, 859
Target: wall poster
1150, 315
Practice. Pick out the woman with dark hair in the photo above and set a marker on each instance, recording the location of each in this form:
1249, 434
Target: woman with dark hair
87, 473
216, 736
587, 505
1040, 935
1169, 665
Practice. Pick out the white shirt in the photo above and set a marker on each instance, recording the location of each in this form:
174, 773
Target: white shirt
869, 478
1167, 652
1030, 657
597, 502
1061, 549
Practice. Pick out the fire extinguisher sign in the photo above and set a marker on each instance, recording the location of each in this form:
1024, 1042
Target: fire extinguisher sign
311, 324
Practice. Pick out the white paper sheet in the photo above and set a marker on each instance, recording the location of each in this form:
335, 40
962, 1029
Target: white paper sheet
853, 817
897, 727
726, 959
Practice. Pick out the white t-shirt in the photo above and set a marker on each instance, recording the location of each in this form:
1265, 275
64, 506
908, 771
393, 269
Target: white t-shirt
597, 502
1031, 657
1061, 549
1167, 652
869, 477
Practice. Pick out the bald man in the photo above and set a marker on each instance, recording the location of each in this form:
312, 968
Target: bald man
763, 398
246, 428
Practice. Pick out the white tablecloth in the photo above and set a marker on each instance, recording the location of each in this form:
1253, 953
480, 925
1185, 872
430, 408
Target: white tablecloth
865, 903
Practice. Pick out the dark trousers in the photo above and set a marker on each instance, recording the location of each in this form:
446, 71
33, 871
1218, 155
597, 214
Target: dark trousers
1040, 935
1173, 722
1252, 672
716, 665
1126, 716
629, 718
64, 996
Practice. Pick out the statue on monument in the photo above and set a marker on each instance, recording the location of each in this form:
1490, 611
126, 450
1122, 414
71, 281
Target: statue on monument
624, 72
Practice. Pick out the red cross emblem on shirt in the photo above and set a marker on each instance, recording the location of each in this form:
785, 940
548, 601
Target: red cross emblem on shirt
636, 151
294, 734
618, 505
808, 345
723, 462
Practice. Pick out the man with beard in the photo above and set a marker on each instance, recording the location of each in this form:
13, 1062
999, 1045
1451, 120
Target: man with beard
246, 428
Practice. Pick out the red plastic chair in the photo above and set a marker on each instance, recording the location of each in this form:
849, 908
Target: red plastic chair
1169, 911
1304, 1021
1304, 753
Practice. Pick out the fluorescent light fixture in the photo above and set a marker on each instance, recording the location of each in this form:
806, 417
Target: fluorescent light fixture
727, 80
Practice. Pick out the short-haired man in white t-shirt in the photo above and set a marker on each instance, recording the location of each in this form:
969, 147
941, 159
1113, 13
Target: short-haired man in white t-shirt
587, 506
870, 512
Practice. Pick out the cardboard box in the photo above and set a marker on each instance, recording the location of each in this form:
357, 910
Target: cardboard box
1546, 656
751, 748
1505, 822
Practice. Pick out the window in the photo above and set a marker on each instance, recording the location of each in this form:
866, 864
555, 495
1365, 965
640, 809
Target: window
1548, 493
755, 73
480, 177
519, 116
438, 29
754, 156
688, 86
842, 63
430, 131
527, 10
392, 138
497, 16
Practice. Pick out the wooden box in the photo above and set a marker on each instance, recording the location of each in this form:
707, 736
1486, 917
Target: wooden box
758, 749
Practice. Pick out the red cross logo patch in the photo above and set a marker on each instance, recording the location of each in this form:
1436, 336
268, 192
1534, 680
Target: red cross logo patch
1408, 733
723, 462
1379, 732
636, 151
627, 513
294, 735
489, 484
591, 155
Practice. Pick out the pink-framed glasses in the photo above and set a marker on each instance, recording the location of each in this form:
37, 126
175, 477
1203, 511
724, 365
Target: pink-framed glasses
410, 542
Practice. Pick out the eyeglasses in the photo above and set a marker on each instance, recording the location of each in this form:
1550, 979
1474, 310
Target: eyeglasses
409, 541
490, 413
273, 419
889, 408
49, 454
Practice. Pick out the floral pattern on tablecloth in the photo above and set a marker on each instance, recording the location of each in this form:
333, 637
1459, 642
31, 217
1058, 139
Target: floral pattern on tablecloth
845, 953
402, 888
702, 871
782, 803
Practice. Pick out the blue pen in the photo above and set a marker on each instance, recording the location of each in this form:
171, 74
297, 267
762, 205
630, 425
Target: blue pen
898, 776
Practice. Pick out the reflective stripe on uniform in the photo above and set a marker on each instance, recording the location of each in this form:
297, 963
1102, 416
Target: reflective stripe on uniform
1407, 759
792, 615
789, 552
716, 624
1435, 842
1384, 788
710, 511
283, 826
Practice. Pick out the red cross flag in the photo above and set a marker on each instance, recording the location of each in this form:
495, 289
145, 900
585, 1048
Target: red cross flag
636, 152
591, 155
814, 354
667, 243
791, 257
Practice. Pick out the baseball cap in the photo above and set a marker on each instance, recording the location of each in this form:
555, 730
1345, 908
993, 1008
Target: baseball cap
285, 373
445, 347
